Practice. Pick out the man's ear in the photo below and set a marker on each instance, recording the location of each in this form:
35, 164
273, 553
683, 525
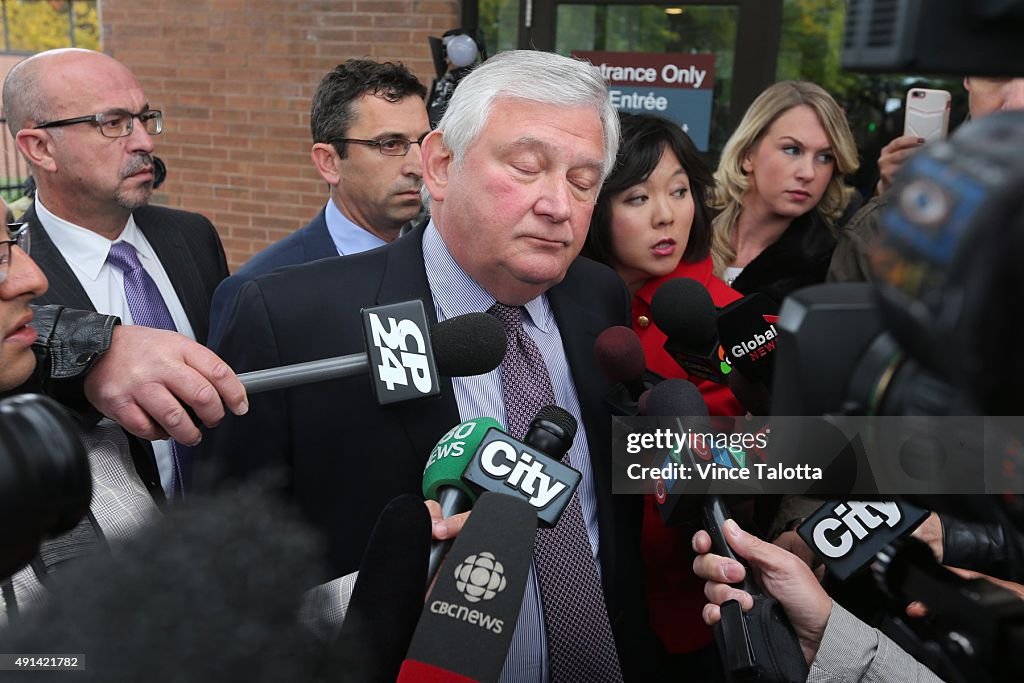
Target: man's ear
437, 162
37, 148
325, 160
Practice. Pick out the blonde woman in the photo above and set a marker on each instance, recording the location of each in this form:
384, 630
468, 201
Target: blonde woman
779, 189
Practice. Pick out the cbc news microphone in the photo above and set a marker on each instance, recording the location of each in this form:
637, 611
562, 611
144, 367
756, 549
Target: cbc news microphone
403, 361
684, 311
442, 477
470, 616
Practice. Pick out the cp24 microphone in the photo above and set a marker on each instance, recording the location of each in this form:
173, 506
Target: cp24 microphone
747, 332
532, 470
442, 477
403, 360
684, 311
847, 535
388, 595
469, 618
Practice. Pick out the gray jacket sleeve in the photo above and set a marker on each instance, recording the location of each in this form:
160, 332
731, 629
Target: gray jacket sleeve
852, 651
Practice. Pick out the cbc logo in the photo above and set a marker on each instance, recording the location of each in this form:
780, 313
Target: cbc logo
480, 577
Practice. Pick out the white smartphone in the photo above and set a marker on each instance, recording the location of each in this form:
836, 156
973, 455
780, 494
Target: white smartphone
927, 113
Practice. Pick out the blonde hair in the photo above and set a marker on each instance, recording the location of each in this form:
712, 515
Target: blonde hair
731, 180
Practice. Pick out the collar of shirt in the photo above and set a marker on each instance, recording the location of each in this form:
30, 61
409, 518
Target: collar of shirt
348, 237
456, 293
87, 250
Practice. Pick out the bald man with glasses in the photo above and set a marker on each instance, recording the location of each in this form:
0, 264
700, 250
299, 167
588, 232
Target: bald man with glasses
83, 123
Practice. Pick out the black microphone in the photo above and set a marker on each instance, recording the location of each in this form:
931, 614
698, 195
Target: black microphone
388, 595
403, 361
848, 535
620, 355
469, 618
746, 330
684, 311
531, 471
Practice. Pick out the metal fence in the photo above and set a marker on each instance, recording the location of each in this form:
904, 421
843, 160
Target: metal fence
13, 169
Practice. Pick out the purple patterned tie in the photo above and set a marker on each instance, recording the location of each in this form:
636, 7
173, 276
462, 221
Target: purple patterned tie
148, 309
580, 639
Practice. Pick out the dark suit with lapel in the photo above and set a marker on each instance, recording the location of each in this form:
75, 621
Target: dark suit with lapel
190, 251
346, 457
310, 243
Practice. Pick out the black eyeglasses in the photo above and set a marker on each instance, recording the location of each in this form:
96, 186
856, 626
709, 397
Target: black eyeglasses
117, 123
389, 147
18, 233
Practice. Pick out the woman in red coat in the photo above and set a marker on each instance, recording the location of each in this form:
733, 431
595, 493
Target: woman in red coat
651, 224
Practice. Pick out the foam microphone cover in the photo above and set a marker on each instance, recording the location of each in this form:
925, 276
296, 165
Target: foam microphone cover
683, 309
620, 355
388, 596
468, 345
469, 617
675, 397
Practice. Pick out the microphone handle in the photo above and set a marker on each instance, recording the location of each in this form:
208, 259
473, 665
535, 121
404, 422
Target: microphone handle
303, 373
453, 501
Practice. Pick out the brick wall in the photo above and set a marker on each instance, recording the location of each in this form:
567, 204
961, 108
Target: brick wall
235, 78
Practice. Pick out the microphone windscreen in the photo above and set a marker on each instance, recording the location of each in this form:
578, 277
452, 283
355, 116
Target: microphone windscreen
620, 355
683, 309
468, 345
210, 592
675, 397
388, 596
470, 616
451, 456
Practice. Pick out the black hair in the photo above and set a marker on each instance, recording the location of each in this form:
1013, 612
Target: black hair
644, 139
332, 112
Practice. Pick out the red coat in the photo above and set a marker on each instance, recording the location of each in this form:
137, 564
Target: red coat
675, 596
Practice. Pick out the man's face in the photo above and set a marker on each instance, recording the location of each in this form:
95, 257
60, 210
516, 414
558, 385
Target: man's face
96, 173
515, 213
377, 192
989, 95
23, 283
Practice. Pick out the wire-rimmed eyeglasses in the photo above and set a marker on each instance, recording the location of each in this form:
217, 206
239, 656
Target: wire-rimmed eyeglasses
117, 123
19, 235
389, 147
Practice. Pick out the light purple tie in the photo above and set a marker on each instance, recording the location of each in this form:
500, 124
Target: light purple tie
580, 639
149, 309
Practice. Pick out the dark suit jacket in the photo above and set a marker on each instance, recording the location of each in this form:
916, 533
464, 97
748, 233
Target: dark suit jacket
190, 251
346, 456
310, 243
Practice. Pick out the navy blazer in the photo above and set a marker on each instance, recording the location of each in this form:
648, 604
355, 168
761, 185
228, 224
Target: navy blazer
310, 243
345, 457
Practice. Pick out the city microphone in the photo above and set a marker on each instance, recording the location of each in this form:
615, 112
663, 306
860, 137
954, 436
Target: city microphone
746, 330
847, 535
388, 595
403, 360
683, 309
467, 623
531, 471
442, 477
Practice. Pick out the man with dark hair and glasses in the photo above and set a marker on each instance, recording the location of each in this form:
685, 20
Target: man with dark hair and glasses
367, 119
85, 127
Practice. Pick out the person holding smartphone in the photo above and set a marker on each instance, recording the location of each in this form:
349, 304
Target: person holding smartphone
986, 95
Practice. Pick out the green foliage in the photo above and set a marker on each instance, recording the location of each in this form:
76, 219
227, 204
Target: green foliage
37, 25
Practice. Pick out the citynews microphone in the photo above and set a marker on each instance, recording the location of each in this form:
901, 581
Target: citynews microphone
530, 469
620, 355
683, 309
847, 535
404, 360
467, 623
746, 330
388, 595
442, 477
